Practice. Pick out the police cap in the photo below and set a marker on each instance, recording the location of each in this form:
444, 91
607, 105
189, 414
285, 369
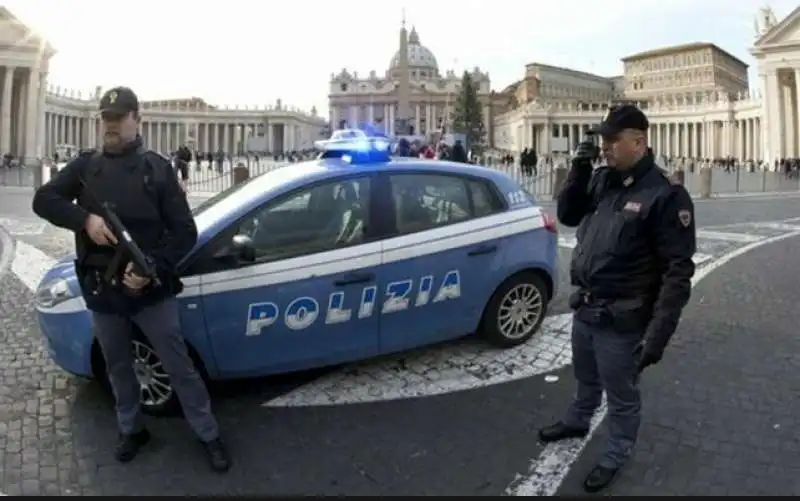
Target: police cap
119, 101
619, 118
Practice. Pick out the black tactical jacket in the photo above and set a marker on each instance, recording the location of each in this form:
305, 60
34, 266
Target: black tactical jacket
635, 239
150, 204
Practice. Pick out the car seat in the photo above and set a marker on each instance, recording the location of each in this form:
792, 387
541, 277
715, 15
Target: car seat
411, 214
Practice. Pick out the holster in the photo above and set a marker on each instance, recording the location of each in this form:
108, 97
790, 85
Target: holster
622, 315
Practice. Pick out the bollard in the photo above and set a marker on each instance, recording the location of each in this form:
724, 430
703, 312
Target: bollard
240, 173
705, 182
38, 175
559, 178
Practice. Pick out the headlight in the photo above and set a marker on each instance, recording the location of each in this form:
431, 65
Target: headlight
53, 293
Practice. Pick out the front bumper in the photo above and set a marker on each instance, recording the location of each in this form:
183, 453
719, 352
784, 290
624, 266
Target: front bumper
67, 333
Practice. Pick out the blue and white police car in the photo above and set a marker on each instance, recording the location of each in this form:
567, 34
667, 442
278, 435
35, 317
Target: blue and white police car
345, 257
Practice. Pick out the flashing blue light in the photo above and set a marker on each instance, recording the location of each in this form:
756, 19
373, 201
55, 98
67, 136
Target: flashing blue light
355, 146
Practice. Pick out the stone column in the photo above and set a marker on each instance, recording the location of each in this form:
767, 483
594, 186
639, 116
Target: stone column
773, 132
40, 119
787, 110
5, 112
32, 95
19, 123
796, 110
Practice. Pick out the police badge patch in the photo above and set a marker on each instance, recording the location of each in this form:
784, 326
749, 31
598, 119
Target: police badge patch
685, 218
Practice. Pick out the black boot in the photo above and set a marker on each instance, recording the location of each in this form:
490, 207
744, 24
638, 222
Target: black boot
128, 445
217, 455
599, 478
560, 431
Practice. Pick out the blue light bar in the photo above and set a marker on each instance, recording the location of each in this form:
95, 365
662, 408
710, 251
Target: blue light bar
355, 146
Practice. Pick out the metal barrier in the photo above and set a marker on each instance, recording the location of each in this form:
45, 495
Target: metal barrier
739, 180
205, 179
18, 176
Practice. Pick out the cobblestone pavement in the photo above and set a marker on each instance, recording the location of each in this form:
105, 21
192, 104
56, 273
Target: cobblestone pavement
714, 410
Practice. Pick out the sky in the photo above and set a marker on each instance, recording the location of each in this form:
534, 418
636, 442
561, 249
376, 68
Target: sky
254, 52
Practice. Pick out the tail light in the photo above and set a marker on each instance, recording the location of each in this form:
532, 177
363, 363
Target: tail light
550, 223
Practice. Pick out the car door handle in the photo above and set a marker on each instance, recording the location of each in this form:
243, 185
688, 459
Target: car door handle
354, 278
483, 249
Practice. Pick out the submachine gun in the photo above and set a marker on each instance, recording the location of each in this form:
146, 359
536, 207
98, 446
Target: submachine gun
126, 249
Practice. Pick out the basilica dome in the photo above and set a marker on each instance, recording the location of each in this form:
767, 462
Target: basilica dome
419, 56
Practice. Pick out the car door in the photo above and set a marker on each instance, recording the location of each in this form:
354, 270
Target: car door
438, 264
305, 297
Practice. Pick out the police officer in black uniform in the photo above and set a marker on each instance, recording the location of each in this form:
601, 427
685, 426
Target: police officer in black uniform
632, 268
141, 187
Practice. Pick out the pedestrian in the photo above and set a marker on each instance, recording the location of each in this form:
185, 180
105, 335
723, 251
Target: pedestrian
632, 267
182, 159
143, 189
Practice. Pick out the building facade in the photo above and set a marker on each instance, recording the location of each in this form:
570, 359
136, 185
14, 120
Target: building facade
684, 71
37, 119
412, 97
695, 96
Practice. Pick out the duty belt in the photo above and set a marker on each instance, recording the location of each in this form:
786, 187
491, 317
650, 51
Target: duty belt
589, 299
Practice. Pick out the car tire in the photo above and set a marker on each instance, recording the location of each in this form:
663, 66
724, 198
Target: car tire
515, 311
144, 356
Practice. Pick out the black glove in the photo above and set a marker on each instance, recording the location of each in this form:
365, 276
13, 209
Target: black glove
646, 355
585, 153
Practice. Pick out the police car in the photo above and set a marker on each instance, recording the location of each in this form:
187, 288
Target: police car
345, 257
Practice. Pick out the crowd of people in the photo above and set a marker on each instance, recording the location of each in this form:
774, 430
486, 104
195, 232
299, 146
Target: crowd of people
531, 164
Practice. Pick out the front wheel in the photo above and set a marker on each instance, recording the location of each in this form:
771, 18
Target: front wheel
157, 396
516, 311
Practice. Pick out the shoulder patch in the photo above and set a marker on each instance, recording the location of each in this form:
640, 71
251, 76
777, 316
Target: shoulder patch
87, 152
685, 217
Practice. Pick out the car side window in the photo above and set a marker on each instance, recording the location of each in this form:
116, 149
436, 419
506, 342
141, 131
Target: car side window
317, 219
426, 201
484, 202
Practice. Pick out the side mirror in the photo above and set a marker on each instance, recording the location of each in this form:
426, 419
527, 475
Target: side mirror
243, 246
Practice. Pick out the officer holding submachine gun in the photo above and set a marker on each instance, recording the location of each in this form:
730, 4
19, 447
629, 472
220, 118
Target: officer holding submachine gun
128, 246
632, 269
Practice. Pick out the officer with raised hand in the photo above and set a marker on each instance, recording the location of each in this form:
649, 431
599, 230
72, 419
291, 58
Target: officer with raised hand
141, 187
632, 269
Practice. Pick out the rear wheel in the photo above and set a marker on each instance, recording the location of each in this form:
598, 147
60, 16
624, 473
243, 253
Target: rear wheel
516, 310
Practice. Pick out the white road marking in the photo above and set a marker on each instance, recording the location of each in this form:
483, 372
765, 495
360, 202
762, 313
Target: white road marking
439, 370
30, 264
567, 241
548, 471
728, 237
6, 251
700, 259
781, 226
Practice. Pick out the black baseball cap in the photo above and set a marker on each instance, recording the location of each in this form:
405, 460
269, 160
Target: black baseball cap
619, 118
119, 101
